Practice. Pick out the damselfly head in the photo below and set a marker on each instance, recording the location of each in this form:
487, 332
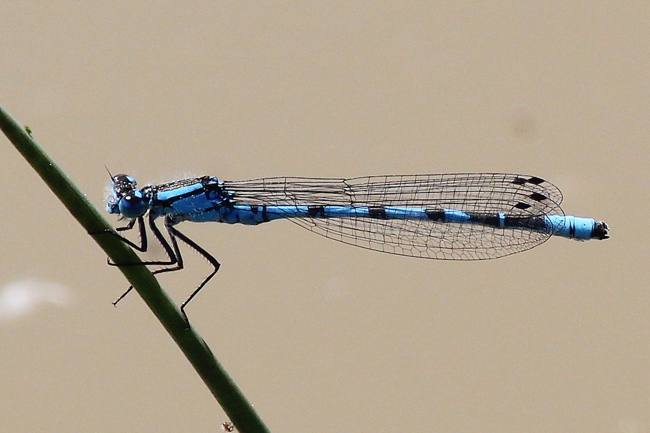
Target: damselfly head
123, 184
125, 199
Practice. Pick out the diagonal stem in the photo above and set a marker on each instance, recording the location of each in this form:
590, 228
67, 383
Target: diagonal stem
231, 399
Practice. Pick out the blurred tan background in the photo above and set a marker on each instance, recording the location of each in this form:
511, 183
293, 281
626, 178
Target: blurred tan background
319, 335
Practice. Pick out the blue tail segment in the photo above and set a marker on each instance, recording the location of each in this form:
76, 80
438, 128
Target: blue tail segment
464, 216
578, 228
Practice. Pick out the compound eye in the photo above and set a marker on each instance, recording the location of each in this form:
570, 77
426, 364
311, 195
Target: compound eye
133, 205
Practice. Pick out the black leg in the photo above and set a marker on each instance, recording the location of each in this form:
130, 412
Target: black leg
175, 262
174, 233
174, 254
173, 259
143, 234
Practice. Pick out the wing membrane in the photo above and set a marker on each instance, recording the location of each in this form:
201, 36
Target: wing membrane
473, 193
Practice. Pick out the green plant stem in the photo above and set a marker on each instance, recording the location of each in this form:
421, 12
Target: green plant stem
233, 402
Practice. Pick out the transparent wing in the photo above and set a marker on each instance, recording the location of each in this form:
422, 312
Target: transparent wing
474, 193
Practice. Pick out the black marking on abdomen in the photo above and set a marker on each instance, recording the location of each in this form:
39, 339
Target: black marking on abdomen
436, 215
532, 223
488, 220
315, 211
377, 212
255, 209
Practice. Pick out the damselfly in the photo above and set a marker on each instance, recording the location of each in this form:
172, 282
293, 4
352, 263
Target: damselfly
464, 216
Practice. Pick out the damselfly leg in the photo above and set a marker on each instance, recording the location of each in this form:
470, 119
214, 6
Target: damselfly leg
175, 262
